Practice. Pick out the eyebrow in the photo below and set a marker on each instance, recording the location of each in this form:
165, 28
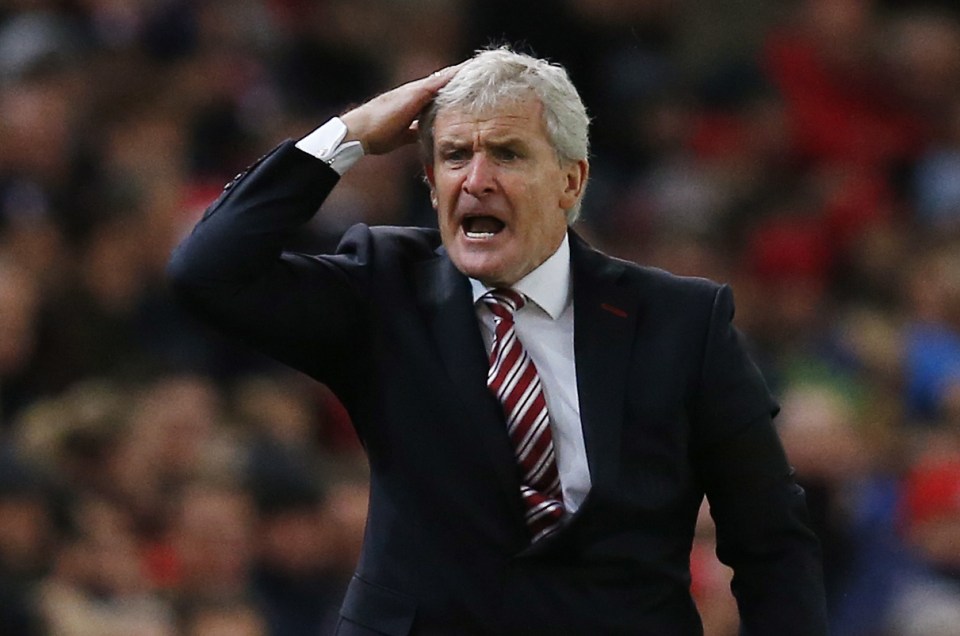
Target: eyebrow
508, 140
450, 142
496, 142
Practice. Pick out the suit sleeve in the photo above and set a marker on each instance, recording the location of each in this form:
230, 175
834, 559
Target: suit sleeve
763, 531
232, 270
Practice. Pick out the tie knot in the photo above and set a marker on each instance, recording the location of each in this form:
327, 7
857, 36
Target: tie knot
501, 299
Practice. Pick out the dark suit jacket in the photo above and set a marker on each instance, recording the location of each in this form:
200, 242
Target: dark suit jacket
671, 408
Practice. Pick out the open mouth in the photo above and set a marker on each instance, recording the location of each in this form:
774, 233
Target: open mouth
481, 227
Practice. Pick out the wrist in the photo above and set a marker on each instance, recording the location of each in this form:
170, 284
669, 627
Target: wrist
332, 144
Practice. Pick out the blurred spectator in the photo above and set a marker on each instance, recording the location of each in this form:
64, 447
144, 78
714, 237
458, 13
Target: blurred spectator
932, 335
27, 535
73, 437
98, 584
297, 578
841, 107
19, 303
210, 544
925, 600
937, 180
175, 436
224, 619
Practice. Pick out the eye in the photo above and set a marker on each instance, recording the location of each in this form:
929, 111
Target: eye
505, 154
455, 155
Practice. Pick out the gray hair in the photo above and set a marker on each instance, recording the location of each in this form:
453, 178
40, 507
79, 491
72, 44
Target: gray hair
494, 77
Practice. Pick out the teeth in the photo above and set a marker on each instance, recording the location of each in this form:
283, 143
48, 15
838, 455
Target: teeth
479, 235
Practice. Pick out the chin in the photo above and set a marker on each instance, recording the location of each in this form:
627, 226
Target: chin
485, 276
486, 273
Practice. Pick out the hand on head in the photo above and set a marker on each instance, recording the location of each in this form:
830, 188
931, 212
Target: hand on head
389, 120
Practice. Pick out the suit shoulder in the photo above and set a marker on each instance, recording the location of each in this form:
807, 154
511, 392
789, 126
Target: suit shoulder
669, 280
655, 287
630, 272
413, 238
664, 284
390, 242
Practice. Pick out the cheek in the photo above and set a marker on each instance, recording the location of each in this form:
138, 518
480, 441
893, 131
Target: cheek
445, 201
540, 193
445, 222
445, 183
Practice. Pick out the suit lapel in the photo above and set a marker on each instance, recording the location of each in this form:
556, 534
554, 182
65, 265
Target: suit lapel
444, 296
605, 319
604, 325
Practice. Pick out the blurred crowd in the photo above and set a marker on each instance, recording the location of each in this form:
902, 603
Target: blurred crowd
156, 480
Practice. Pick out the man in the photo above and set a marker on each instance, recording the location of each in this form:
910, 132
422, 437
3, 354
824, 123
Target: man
542, 421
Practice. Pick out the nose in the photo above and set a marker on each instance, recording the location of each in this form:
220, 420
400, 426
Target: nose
480, 178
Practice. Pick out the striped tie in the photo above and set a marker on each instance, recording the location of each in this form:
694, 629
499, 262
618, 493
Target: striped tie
514, 380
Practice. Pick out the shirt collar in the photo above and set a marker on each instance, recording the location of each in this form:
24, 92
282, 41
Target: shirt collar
548, 285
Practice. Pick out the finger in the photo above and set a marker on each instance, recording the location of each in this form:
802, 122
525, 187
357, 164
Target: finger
439, 78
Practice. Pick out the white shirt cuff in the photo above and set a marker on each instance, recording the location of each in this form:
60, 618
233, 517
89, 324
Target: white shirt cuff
326, 144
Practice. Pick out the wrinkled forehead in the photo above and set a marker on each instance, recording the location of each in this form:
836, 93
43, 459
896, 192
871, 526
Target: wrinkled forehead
517, 114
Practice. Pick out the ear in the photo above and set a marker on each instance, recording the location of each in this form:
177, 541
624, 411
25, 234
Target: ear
574, 181
428, 173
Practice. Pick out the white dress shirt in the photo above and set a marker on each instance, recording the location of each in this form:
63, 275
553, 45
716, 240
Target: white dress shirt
544, 326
